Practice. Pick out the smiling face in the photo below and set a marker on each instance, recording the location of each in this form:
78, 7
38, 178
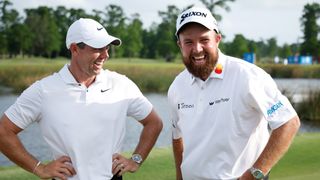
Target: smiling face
87, 62
199, 48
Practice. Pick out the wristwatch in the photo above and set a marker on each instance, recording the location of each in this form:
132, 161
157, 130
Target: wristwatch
137, 158
256, 173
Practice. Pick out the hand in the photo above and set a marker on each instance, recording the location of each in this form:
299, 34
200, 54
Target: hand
60, 168
120, 165
247, 176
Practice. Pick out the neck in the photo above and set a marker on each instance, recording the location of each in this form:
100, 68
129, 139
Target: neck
81, 77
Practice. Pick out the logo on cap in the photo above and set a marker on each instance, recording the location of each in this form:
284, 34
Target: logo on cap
99, 28
193, 13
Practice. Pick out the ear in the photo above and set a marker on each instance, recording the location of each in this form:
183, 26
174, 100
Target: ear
218, 38
74, 48
179, 43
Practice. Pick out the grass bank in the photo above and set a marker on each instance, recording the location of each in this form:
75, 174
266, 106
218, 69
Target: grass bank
309, 108
149, 75
301, 162
292, 70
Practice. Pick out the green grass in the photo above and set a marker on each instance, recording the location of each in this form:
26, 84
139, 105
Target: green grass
302, 162
149, 75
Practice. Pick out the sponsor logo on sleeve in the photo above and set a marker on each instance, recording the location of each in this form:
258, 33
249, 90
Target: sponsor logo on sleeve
274, 108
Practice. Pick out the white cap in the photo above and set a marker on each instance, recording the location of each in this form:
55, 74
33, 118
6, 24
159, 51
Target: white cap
91, 33
198, 15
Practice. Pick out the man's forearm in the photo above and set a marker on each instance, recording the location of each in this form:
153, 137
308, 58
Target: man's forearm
277, 145
177, 145
152, 127
11, 146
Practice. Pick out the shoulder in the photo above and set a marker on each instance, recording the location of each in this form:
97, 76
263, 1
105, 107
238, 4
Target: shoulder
118, 80
114, 76
181, 79
244, 69
52, 81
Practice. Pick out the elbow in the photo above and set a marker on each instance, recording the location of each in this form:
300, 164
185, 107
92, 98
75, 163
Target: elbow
159, 126
296, 123
293, 125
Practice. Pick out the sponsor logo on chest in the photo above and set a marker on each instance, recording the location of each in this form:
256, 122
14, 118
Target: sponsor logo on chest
185, 106
218, 101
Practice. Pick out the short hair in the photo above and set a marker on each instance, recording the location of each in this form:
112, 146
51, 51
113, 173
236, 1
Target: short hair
81, 45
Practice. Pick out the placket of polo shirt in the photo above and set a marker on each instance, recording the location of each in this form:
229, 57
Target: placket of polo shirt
201, 93
83, 92
94, 92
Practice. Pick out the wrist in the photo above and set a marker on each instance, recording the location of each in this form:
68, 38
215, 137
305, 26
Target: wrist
257, 173
137, 159
35, 167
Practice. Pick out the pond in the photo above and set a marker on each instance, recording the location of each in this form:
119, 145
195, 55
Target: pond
35, 144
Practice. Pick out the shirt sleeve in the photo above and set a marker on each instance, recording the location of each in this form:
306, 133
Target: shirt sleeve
267, 99
139, 106
27, 107
176, 131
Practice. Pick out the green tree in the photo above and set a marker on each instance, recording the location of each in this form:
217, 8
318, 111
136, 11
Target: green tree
133, 38
5, 14
166, 40
4, 25
114, 20
252, 46
285, 51
272, 47
149, 41
63, 21
45, 35
75, 14
213, 4
3, 44
310, 45
15, 34
238, 46
19, 39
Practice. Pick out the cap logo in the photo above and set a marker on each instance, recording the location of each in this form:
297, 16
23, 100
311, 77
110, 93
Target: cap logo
99, 28
193, 13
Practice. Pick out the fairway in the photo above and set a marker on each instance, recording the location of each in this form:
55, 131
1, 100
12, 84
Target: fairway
302, 162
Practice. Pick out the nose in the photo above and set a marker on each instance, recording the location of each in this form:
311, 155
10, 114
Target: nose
197, 48
104, 53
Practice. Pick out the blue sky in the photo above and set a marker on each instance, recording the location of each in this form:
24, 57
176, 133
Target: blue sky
255, 19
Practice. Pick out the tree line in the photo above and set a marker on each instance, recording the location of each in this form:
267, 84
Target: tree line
42, 33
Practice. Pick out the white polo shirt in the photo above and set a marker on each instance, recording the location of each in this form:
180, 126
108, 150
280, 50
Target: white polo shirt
86, 124
224, 120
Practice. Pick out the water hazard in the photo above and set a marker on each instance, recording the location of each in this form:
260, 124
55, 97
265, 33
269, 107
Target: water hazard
35, 144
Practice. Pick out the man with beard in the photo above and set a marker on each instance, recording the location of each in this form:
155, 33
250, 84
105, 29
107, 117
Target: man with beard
229, 119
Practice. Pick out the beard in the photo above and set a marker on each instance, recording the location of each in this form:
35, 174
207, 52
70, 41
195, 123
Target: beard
201, 71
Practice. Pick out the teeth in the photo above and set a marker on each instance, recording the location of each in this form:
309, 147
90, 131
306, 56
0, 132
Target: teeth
198, 57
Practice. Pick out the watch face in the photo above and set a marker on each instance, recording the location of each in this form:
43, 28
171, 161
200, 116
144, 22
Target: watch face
136, 158
258, 174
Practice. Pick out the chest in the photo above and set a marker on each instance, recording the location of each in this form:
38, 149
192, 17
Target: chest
81, 108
